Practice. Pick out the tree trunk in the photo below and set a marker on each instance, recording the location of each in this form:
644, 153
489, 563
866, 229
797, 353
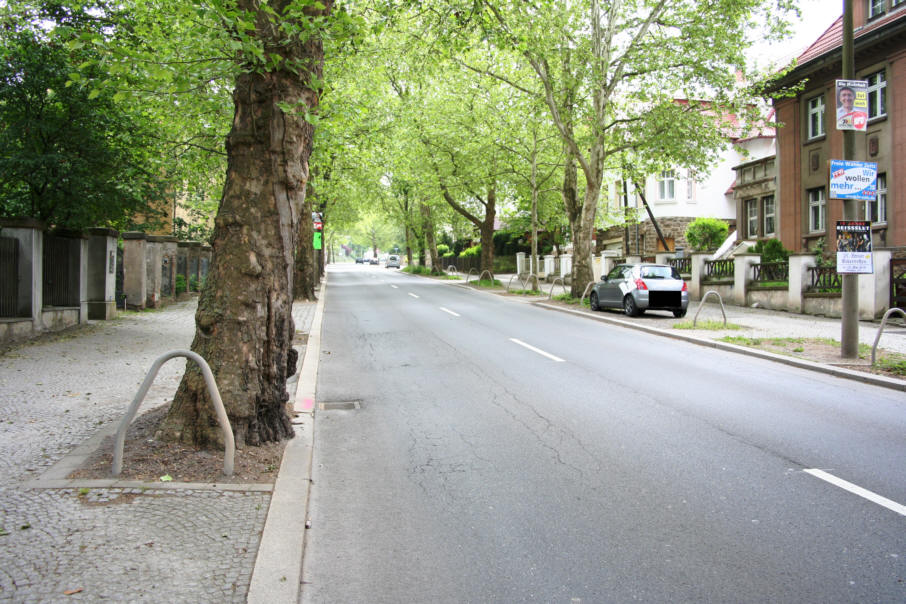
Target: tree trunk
430, 242
583, 245
305, 277
486, 228
244, 325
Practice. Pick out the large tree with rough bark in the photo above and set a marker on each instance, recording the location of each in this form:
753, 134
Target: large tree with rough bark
244, 325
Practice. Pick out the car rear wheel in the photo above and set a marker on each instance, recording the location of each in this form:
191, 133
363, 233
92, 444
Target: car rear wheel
593, 301
679, 313
630, 307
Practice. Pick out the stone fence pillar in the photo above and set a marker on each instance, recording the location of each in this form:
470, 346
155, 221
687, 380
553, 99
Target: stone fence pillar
135, 272
874, 289
101, 277
799, 280
664, 257
698, 274
168, 266
153, 265
548, 265
520, 263
743, 274
633, 259
566, 265
182, 261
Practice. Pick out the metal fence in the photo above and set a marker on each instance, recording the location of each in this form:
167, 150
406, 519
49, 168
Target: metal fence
682, 265
9, 276
767, 272
61, 271
719, 269
825, 279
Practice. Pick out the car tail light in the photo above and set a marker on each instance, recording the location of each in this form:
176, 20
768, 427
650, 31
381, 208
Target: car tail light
685, 287
639, 284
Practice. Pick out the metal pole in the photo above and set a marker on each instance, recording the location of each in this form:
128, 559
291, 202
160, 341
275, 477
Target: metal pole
849, 326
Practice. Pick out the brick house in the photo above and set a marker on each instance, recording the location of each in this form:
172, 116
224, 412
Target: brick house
808, 137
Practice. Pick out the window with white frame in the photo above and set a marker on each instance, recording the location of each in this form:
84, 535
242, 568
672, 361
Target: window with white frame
876, 7
816, 116
767, 205
876, 211
751, 218
877, 94
666, 186
817, 207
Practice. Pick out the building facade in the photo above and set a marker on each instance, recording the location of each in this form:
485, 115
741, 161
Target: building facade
808, 138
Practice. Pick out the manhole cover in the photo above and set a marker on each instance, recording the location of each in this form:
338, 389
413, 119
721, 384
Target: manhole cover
340, 406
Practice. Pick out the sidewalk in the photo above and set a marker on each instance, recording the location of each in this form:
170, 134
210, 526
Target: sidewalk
157, 542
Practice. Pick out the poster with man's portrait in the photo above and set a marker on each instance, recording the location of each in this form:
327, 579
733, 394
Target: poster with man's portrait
852, 105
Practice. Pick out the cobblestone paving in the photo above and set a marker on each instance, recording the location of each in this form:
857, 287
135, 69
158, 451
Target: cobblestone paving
133, 545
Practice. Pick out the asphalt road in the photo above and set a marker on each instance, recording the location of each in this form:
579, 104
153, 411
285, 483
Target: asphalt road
500, 452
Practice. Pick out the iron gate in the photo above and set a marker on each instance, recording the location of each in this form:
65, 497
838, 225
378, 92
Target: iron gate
9, 276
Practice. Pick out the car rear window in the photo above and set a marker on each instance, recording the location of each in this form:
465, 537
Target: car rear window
659, 272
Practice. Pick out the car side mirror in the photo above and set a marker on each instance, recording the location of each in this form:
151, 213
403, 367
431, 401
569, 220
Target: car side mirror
603, 277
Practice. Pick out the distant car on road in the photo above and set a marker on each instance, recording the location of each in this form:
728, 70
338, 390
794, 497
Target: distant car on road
639, 287
393, 261
374, 261
360, 260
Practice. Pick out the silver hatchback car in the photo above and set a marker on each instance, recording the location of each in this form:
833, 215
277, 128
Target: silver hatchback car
639, 287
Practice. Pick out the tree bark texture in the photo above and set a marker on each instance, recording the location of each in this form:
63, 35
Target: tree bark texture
306, 269
244, 326
430, 241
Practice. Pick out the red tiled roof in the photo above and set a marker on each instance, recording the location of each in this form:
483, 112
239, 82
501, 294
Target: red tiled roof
832, 38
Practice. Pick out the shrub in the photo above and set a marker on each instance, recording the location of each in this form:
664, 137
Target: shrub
771, 250
180, 284
443, 249
706, 233
475, 250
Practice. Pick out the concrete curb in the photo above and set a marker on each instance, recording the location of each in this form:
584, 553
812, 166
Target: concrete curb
277, 575
841, 372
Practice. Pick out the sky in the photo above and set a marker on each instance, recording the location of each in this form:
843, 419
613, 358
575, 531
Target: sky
817, 16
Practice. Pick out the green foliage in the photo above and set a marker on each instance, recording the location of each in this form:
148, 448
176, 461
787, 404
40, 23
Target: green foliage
771, 250
475, 250
70, 155
823, 258
710, 325
508, 243
706, 233
180, 284
443, 250
893, 363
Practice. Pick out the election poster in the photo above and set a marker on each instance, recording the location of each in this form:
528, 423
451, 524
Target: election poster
852, 105
850, 179
854, 247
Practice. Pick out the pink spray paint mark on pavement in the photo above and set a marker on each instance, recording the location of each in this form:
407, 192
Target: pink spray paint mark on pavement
308, 404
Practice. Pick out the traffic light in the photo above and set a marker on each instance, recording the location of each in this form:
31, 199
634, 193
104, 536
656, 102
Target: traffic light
316, 218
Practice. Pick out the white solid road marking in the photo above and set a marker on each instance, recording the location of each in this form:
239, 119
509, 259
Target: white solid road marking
413, 295
448, 311
538, 350
393, 286
857, 490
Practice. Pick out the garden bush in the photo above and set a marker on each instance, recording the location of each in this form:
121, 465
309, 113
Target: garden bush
706, 233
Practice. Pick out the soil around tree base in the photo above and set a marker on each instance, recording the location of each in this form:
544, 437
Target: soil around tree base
147, 459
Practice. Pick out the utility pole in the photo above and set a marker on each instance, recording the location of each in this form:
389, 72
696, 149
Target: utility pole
849, 326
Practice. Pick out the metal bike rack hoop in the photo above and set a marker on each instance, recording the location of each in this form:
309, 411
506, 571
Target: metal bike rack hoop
702, 302
469, 275
550, 294
587, 287
222, 419
874, 349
